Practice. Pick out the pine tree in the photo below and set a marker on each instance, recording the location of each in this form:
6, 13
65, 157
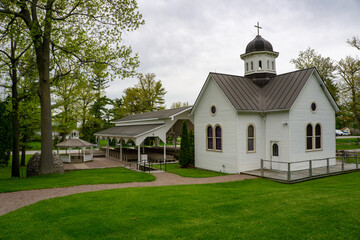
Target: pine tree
184, 155
192, 148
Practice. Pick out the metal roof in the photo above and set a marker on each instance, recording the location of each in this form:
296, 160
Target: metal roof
129, 131
74, 143
154, 115
279, 94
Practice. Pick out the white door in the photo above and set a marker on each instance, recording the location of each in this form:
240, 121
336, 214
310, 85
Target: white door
274, 155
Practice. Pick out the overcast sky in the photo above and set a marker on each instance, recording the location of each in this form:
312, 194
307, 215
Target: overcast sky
182, 40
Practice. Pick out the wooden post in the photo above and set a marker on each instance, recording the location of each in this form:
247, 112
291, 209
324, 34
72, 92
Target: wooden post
120, 150
262, 167
139, 160
288, 172
84, 154
164, 152
327, 166
342, 163
357, 162
69, 155
107, 147
310, 168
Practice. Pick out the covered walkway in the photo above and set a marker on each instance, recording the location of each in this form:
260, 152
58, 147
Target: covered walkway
159, 125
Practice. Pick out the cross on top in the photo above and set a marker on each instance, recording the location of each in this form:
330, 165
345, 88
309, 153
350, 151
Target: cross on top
258, 27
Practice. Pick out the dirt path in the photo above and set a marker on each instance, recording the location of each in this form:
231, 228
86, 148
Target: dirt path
15, 200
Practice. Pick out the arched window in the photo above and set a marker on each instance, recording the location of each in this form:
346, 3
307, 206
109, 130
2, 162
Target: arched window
210, 138
247, 66
309, 137
273, 65
275, 150
317, 136
218, 138
252, 66
251, 138
260, 65
268, 64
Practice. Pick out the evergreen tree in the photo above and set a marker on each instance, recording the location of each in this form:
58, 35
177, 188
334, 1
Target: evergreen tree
184, 155
192, 148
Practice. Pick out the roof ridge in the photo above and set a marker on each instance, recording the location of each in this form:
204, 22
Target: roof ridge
299, 70
227, 74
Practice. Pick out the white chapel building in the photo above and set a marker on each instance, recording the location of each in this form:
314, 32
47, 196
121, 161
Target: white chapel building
239, 120
242, 121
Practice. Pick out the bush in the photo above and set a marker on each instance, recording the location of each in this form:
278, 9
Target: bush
5, 135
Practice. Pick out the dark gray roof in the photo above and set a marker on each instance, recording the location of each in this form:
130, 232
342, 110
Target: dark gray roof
279, 94
128, 131
258, 44
154, 115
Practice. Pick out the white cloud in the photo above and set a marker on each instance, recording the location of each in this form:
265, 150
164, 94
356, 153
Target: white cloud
182, 41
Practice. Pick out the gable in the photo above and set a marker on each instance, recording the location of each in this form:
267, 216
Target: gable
212, 93
279, 94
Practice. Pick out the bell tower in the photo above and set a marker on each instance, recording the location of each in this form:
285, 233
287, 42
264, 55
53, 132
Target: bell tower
259, 60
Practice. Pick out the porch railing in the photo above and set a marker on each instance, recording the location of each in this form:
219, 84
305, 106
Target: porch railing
308, 168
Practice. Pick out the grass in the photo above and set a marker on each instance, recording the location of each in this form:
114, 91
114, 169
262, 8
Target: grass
252, 209
341, 143
70, 178
189, 172
5, 173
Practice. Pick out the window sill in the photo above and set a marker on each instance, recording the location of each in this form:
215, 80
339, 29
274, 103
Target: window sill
313, 150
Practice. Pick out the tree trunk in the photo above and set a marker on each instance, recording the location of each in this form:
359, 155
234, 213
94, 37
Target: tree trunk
15, 169
42, 57
23, 152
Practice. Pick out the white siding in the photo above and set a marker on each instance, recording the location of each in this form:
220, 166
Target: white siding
249, 160
277, 130
226, 160
301, 115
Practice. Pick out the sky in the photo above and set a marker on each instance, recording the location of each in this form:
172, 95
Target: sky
182, 40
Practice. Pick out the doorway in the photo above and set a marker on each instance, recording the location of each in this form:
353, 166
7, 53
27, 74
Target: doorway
274, 154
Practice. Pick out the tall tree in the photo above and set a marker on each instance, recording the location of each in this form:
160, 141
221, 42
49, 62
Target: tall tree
349, 71
5, 134
146, 96
14, 46
325, 66
89, 31
185, 149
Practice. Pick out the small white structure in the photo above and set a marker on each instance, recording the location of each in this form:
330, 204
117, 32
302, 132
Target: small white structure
281, 119
76, 149
138, 127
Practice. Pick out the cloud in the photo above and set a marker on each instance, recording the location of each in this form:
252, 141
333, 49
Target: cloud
182, 41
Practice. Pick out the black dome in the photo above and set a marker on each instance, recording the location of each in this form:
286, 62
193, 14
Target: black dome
258, 44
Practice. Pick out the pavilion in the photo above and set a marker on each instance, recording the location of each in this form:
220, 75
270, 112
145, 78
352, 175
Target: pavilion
138, 127
78, 145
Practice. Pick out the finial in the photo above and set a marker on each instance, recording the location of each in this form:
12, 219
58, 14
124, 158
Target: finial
258, 28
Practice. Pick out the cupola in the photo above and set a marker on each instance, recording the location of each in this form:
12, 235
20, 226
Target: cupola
259, 60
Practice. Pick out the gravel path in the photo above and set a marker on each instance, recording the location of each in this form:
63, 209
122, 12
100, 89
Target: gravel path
15, 200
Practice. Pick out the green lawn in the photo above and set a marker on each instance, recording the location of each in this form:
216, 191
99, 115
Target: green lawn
189, 172
5, 173
73, 178
252, 209
346, 146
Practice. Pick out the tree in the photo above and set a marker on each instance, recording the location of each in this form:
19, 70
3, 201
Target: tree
5, 134
349, 71
185, 152
146, 96
179, 104
89, 31
192, 148
355, 42
13, 47
324, 65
